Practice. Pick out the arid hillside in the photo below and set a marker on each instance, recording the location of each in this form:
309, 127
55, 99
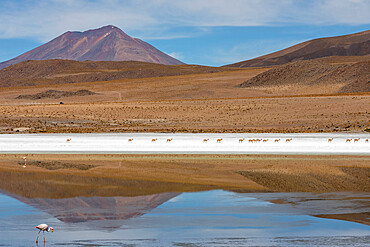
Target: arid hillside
48, 72
347, 78
107, 43
357, 44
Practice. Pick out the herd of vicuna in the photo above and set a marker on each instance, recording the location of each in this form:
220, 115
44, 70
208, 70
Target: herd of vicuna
250, 140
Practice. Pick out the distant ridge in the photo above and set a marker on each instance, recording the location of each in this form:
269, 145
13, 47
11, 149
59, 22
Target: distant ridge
357, 44
56, 71
107, 43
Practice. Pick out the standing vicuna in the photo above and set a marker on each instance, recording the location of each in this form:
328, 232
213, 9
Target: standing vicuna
219, 140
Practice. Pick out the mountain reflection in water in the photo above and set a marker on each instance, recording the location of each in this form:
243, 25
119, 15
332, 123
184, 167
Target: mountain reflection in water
90, 210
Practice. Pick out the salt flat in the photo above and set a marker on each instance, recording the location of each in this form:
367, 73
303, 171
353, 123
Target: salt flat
306, 143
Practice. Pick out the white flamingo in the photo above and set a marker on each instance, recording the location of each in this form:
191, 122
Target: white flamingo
43, 228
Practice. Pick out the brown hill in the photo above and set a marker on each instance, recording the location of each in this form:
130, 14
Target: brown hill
357, 44
55, 94
107, 43
48, 72
355, 77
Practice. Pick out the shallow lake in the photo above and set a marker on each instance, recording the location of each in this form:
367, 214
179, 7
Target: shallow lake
208, 218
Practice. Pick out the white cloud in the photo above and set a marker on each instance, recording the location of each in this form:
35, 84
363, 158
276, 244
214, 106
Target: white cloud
45, 19
176, 55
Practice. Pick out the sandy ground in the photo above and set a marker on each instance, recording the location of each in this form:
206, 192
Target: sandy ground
147, 174
191, 103
295, 114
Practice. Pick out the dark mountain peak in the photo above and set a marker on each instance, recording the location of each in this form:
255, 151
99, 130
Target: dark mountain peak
105, 29
108, 27
107, 43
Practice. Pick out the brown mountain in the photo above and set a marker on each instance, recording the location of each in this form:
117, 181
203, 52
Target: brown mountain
107, 43
357, 44
47, 72
353, 77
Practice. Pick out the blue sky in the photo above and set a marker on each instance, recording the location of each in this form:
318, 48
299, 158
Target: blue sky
208, 32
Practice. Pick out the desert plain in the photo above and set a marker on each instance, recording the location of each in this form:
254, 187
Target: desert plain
210, 102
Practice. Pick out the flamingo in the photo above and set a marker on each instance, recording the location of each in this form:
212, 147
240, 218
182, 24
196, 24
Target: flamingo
43, 228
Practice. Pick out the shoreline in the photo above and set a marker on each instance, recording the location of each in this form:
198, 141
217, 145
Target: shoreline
186, 143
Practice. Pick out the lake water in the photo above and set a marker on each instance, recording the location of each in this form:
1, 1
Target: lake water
209, 218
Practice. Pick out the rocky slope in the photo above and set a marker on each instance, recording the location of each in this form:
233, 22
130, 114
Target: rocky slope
355, 77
